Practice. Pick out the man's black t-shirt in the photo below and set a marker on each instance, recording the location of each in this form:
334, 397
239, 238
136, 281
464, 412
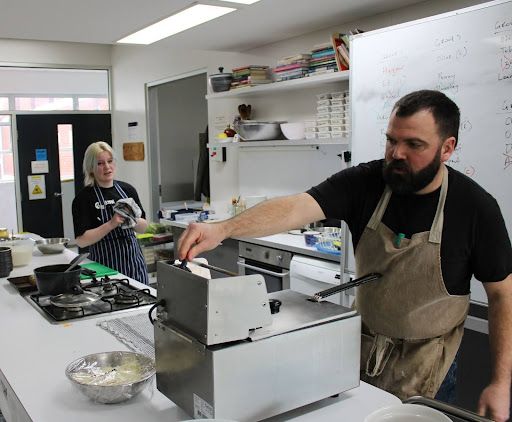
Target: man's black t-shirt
474, 242
86, 208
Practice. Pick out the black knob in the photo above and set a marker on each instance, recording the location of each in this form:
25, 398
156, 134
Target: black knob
275, 304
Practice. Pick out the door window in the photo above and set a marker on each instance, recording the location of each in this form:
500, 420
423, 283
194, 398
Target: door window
7, 188
66, 163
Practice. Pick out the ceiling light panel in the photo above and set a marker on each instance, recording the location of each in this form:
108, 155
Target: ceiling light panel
188, 18
242, 1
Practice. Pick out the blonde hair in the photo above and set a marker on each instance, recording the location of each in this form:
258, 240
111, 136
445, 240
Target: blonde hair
90, 156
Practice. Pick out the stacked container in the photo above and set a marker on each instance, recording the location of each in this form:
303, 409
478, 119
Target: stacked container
332, 118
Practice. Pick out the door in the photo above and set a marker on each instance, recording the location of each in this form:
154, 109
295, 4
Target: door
38, 140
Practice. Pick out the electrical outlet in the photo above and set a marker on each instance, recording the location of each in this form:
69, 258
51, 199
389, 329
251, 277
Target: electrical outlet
218, 153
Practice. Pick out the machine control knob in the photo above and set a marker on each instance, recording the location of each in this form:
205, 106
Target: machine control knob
267, 254
279, 258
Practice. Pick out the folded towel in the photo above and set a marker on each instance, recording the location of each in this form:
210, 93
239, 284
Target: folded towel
128, 208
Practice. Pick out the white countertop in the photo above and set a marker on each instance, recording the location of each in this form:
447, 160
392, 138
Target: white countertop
35, 353
284, 241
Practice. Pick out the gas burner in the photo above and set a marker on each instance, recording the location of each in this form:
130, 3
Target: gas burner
126, 299
108, 287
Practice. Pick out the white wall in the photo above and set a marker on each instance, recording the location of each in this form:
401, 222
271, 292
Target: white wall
55, 53
135, 66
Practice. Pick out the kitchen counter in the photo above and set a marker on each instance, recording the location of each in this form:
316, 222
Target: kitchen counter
284, 241
35, 353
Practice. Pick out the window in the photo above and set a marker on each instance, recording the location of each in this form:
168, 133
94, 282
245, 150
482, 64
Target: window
46, 89
43, 103
66, 163
6, 156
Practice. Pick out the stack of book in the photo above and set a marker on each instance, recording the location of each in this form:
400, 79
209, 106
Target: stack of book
291, 67
341, 42
323, 59
250, 76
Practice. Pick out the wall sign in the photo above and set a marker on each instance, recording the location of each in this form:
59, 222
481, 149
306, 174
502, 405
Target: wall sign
41, 154
36, 187
39, 166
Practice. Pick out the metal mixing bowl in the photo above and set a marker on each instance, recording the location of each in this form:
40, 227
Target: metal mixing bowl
52, 245
111, 377
250, 130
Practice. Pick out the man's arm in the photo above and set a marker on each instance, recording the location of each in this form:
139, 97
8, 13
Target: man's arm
495, 398
266, 218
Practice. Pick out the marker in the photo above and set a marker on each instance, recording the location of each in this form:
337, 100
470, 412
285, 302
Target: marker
398, 239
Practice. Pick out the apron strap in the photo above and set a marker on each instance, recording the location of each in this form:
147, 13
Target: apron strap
380, 209
436, 231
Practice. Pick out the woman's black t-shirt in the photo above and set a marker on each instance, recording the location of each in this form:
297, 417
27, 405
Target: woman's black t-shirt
86, 208
474, 241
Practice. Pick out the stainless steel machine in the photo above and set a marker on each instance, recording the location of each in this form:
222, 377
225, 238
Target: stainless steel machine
221, 353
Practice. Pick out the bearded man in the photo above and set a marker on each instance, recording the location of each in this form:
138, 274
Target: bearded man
428, 229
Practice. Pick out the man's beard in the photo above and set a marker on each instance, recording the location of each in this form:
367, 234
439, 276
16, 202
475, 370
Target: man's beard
409, 181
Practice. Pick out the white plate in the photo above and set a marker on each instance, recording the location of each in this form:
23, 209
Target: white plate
407, 413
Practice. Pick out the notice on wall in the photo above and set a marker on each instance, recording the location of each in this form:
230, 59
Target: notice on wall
36, 187
39, 166
41, 154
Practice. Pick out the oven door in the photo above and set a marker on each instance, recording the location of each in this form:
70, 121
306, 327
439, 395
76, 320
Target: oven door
276, 278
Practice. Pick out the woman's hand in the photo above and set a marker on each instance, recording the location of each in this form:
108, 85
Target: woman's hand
116, 220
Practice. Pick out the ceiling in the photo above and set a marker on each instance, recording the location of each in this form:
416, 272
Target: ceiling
106, 21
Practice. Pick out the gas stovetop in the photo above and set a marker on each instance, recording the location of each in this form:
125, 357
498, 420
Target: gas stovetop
116, 295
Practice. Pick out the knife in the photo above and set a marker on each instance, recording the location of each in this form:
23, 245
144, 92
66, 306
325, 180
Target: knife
317, 297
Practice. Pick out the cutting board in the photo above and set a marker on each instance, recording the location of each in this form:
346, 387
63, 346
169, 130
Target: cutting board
101, 270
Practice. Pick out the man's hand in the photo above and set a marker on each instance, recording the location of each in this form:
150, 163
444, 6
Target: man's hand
495, 402
200, 237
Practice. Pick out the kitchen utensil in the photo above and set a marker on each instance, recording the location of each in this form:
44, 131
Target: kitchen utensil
245, 111
53, 280
52, 245
75, 261
317, 297
251, 130
74, 300
111, 377
95, 269
293, 131
220, 81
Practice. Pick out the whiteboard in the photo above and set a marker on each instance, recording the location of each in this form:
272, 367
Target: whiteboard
466, 54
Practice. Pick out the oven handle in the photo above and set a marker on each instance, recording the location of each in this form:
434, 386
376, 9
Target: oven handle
261, 270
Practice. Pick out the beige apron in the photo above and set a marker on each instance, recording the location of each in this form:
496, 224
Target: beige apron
412, 327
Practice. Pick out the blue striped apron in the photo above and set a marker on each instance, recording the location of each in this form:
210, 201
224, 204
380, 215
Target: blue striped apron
119, 249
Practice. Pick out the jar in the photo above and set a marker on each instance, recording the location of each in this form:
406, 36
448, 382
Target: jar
21, 250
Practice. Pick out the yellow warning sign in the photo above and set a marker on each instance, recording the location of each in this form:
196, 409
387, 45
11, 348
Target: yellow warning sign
36, 187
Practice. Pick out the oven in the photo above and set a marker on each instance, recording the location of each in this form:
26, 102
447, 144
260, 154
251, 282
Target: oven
272, 264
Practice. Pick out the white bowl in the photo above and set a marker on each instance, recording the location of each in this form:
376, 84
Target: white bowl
407, 413
293, 131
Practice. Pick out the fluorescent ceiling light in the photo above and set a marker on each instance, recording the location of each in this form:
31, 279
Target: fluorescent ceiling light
193, 16
242, 1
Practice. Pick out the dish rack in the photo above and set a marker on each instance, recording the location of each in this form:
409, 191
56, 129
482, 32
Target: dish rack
330, 242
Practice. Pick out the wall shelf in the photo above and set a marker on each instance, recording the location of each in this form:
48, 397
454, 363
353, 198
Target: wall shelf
294, 84
281, 143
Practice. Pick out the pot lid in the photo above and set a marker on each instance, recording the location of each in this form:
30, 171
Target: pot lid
71, 300
221, 73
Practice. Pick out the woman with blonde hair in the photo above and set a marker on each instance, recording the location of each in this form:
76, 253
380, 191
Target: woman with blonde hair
98, 226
